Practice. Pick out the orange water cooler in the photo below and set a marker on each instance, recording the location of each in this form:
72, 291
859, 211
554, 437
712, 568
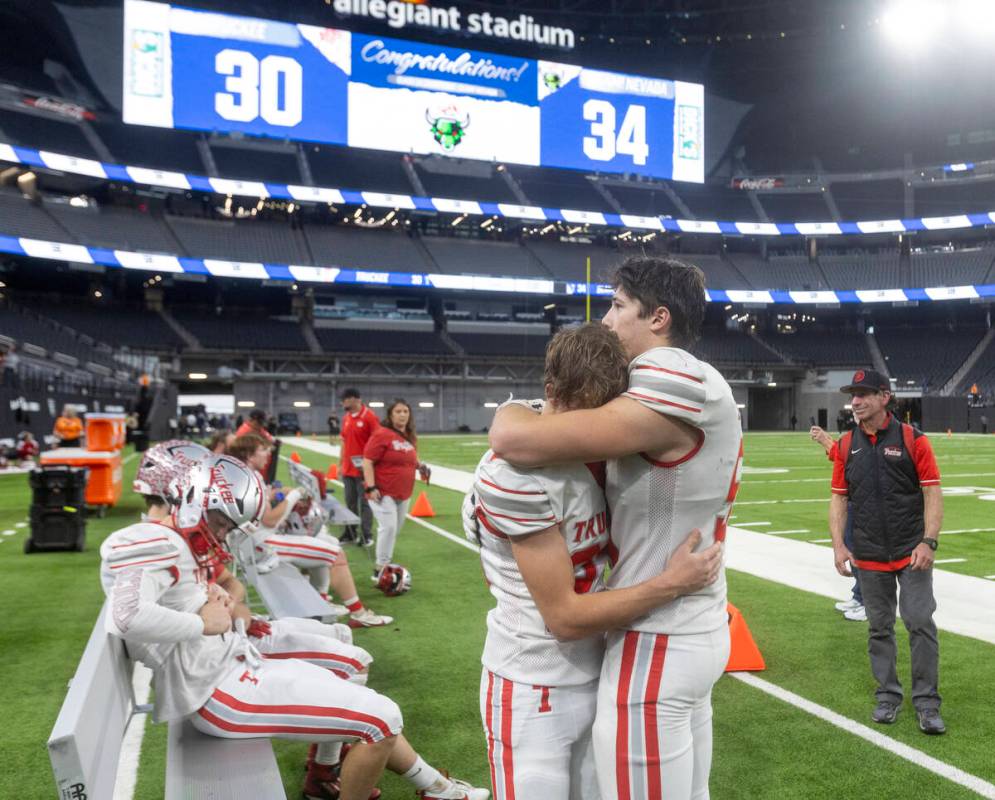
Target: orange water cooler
105, 431
103, 485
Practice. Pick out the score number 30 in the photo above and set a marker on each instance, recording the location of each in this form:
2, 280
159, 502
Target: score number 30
252, 88
603, 144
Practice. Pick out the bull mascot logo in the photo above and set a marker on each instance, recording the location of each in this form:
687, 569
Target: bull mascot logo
448, 125
552, 80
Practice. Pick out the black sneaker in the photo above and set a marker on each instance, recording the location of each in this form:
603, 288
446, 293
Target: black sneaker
348, 535
885, 713
930, 721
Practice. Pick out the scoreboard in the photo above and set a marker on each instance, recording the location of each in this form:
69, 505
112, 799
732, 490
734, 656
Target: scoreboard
209, 71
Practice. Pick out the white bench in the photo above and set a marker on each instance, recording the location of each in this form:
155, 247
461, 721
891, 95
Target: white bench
85, 743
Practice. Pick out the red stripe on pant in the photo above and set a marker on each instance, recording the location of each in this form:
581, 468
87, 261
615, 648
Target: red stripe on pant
622, 712
506, 748
300, 710
273, 729
308, 655
489, 720
654, 791
305, 556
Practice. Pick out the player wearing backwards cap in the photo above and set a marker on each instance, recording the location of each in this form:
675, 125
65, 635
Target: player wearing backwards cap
675, 447
544, 542
163, 603
306, 552
887, 470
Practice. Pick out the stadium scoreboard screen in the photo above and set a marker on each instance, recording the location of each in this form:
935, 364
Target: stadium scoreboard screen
208, 71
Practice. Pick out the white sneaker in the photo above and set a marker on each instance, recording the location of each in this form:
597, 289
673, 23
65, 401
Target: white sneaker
457, 790
335, 611
858, 614
365, 618
848, 605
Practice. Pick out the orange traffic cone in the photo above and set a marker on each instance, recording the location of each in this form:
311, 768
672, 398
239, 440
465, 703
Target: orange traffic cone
333, 472
422, 508
744, 655
295, 458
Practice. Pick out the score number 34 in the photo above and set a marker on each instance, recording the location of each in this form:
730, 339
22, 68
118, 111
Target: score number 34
604, 144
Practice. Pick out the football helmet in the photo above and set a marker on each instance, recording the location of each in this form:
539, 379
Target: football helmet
164, 466
394, 580
221, 496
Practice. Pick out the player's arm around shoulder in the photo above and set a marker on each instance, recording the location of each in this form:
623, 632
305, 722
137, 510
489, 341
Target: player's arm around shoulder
544, 561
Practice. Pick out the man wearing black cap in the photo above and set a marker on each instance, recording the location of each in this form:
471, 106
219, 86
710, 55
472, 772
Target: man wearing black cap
887, 470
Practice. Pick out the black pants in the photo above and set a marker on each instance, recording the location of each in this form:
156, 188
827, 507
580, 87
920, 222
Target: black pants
355, 501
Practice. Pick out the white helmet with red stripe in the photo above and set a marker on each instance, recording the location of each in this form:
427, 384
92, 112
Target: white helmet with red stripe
165, 465
221, 496
394, 580
306, 518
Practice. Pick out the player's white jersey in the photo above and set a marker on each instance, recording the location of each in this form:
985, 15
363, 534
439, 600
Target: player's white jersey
655, 505
512, 502
155, 589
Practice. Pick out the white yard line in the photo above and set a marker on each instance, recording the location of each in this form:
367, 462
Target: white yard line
820, 541
751, 524
910, 754
785, 533
945, 532
450, 536
949, 560
128, 458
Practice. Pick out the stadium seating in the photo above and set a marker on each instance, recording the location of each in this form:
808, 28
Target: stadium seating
365, 249
466, 187
862, 271
645, 202
406, 341
953, 268
532, 345
241, 330
942, 200
717, 202
865, 200
116, 227
22, 217
732, 347
822, 349
358, 169
44, 133
480, 257
568, 261
559, 189
153, 147
925, 356
257, 165
779, 272
27, 326
120, 326
983, 374
719, 273
807, 207
245, 240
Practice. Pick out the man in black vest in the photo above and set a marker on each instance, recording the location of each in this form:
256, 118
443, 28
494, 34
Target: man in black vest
888, 471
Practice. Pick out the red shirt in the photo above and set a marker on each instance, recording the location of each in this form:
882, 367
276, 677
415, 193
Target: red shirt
248, 427
926, 469
394, 462
27, 449
357, 428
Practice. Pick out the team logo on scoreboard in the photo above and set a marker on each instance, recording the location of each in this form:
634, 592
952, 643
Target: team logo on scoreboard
689, 132
146, 71
448, 125
552, 80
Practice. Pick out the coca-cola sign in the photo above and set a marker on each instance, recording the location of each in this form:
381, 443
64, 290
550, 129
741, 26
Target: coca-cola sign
757, 184
61, 107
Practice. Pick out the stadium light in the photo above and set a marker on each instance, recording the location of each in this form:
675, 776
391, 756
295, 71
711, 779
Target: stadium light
913, 22
426, 404
246, 404
376, 404
490, 405
197, 376
302, 404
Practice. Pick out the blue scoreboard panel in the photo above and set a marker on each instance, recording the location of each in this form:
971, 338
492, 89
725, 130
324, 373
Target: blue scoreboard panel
202, 70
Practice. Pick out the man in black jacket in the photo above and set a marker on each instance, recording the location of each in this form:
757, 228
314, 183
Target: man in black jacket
888, 472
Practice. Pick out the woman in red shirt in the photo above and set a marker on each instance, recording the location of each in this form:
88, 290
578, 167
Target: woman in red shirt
390, 460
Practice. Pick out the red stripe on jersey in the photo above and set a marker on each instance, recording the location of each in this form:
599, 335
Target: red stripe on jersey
507, 751
509, 491
669, 372
324, 550
272, 729
662, 402
310, 711
482, 519
143, 541
311, 654
651, 731
683, 459
622, 711
489, 720
147, 561
309, 556
882, 566
550, 518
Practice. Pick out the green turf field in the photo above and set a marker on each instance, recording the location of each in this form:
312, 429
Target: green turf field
428, 661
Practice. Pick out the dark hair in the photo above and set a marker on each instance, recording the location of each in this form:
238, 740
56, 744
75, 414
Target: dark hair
218, 437
653, 282
409, 432
586, 366
349, 393
258, 415
245, 445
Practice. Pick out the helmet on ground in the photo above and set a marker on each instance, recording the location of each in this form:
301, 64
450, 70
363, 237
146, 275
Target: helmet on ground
221, 496
306, 518
394, 580
166, 464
